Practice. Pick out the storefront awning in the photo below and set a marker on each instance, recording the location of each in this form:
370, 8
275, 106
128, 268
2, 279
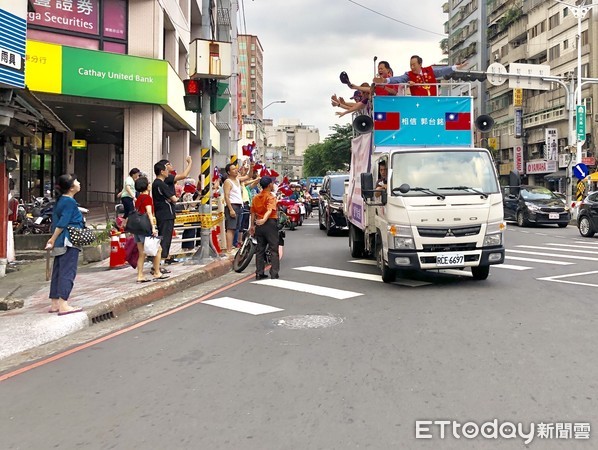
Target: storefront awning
555, 175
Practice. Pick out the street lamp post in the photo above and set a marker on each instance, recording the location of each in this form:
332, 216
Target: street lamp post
258, 122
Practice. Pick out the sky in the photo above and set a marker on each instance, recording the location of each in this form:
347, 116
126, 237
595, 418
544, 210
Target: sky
307, 43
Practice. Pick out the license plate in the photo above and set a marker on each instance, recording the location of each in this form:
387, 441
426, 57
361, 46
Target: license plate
39, 220
553, 215
450, 259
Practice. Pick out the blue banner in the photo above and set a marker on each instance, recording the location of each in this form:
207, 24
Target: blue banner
423, 121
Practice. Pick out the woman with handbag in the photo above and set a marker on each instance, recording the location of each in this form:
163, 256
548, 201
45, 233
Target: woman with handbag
145, 205
66, 215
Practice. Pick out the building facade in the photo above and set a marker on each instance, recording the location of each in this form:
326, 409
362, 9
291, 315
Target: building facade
540, 32
251, 73
112, 71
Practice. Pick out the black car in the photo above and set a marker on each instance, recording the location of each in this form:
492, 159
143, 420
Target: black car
587, 216
330, 205
534, 204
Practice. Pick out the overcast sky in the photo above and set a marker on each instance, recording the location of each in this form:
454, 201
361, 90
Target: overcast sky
307, 43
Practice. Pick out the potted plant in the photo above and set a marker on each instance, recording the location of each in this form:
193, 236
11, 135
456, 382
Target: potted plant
99, 249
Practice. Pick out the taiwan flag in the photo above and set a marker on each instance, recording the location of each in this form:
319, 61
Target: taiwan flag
387, 121
457, 121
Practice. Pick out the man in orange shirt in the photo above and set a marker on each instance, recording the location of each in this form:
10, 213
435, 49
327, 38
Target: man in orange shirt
264, 224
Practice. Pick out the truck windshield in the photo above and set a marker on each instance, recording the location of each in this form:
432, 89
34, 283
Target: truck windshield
436, 170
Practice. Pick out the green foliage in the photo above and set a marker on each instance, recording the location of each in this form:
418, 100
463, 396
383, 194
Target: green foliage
334, 154
103, 234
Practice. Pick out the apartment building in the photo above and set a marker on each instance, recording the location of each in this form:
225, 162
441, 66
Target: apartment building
540, 32
467, 41
112, 71
251, 74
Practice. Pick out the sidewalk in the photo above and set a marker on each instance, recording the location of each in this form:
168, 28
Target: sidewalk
103, 293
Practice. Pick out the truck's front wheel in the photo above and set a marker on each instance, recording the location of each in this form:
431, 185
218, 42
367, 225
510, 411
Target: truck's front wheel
388, 274
480, 272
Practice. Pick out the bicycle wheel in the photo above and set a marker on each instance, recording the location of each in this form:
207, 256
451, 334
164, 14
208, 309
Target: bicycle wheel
244, 255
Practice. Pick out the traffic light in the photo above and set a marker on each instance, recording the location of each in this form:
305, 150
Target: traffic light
217, 101
472, 75
192, 95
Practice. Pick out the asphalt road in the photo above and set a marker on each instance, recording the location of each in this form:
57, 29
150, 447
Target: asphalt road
335, 359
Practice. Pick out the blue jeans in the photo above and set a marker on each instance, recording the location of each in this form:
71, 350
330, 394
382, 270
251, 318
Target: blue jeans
64, 271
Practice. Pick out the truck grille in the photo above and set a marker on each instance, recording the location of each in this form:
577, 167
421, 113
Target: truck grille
449, 247
440, 232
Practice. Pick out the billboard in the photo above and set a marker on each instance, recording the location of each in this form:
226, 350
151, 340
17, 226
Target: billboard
551, 149
13, 35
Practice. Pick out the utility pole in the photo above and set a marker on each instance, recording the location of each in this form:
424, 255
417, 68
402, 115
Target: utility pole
202, 255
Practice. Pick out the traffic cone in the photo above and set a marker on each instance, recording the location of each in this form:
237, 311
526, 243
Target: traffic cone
117, 259
122, 241
215, 232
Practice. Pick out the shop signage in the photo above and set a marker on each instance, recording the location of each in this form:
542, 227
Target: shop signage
518, 122
88, 73
589, 161
540, 166
12, 45
518, 157
551, 150
72, 15
517, 97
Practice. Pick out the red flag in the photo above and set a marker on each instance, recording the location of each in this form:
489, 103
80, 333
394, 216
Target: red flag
246, 150
285, 180
457, 121
388, 121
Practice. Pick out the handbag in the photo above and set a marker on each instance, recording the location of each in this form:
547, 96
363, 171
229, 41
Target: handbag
138, 223
81, 236
151, 245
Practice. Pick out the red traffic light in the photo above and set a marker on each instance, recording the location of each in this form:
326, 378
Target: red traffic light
192, 87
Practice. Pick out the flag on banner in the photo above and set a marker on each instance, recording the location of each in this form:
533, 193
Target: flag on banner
246, 150
457, 121
387, 121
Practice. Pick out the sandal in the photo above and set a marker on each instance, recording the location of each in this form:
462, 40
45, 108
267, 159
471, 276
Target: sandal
145, 280
161, 277
161, 271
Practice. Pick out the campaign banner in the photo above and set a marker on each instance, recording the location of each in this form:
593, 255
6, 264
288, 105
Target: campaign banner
423, 121
551, 151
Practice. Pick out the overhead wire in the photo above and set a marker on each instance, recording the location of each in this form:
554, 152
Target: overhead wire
396, 20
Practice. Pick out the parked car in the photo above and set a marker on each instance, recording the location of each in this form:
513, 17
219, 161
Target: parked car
330, 203
587, 215
534, 204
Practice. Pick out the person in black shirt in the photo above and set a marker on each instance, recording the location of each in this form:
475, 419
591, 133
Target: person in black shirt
164, 196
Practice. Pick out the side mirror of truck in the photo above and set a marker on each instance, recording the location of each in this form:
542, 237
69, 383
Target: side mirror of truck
323, 191
367, 185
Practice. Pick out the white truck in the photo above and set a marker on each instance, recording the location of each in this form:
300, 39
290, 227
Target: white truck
442, 207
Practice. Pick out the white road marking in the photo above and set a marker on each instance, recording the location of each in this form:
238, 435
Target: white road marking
585, 258
241, 306
367, 262
341, 273
544, 261
511, 267
574, 246
534, 247
309, 288
559, 278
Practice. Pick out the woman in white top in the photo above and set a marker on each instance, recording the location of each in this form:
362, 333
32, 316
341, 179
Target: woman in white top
233, 200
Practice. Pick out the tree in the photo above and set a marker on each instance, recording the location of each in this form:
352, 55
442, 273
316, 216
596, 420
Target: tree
334, 154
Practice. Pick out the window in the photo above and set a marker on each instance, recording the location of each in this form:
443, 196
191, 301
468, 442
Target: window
553, 21
249, 134
554, 52
565, 44
585, 38
565, 12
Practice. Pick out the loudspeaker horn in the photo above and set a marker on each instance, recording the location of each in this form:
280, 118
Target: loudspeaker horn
363, 124
484, 123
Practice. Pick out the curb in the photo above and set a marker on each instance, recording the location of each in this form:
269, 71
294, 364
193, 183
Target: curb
145, 295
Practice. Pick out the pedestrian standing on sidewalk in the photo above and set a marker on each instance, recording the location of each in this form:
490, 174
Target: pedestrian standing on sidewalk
145, 205
233, 201
169, 180
64, 270
264, 224
127, 195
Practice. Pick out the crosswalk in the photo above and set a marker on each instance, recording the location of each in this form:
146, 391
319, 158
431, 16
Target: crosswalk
517, 258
